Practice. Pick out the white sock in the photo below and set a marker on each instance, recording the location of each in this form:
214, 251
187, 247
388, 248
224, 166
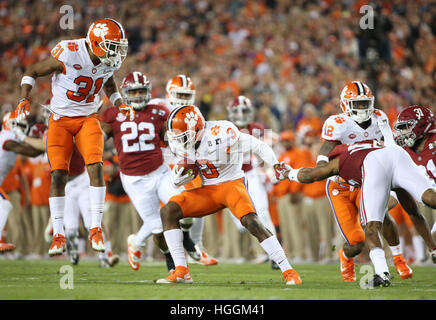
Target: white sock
196, 231
275, 252
419, 248
5, 208
57, 207
96, 202
174, 239
396, 250
377, 256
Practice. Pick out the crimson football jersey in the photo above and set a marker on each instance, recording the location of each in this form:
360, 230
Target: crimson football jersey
138, 141
351, 157
256, 130
426, 157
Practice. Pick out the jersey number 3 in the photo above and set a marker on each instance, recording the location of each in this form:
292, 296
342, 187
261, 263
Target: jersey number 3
83, 91
133, 135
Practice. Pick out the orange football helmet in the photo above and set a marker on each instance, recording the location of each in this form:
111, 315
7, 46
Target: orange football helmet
357, 101
107, 40
10, 120
180, 91
185, 128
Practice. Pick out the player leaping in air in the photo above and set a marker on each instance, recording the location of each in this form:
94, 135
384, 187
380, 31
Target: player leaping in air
377, 170
80, 68
216, 148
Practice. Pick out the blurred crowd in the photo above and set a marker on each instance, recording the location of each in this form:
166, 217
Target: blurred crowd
291, 58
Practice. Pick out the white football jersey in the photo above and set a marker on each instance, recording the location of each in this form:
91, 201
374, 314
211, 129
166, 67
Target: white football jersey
7, 158
342, 128
217, 164
75, 91
161, 102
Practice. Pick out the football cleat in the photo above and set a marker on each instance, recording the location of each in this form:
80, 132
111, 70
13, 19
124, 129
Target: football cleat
133, 253
347, 267
180, 275
113, 259
380, 280
402, 268
205, 259
5, 247
291, 277
96, 239
58, 245
190, 247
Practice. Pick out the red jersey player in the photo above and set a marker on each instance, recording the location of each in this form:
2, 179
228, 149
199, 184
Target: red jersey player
416, 133
377, 170
145, 177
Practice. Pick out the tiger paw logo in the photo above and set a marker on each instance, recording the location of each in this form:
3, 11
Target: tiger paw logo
339, 120
100, 29
215, 130
191, 119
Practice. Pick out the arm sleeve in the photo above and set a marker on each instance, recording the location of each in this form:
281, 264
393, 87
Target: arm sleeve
247, 144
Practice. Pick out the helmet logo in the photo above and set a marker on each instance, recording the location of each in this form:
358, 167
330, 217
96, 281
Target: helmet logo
100, 29
191, 119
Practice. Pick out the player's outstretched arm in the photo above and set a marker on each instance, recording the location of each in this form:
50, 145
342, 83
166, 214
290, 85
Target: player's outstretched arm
22, 148
40, 69
326, 148
309, 174
111, 91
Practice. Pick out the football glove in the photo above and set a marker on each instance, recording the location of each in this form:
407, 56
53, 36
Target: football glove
179, 179
23, 109
127, 110
281, 170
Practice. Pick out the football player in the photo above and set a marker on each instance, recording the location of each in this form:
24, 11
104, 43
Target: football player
11, 146
180, 91
357, 122
145, 177
216, 148
377, 170
76, 201
80, 68
241, 112
416, 133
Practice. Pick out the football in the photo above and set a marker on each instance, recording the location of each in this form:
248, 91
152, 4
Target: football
188, 167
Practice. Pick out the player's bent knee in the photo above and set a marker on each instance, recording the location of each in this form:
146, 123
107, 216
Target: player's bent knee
252, 223
171, 212
429, 198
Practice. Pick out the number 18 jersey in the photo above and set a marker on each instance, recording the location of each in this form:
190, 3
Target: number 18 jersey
138, 142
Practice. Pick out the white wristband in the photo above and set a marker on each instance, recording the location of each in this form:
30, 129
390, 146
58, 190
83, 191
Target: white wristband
28, 80
322, 158
293, 175
114, 97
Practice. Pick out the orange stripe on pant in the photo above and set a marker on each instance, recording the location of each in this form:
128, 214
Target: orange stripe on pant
88, 138
206, 200
3, 195
345, 205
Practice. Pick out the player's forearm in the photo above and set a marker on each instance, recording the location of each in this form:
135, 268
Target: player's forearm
111, 91
36, 143
324, 152
249, 143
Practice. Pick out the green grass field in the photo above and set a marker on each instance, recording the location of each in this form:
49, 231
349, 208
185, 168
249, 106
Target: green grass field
40, 279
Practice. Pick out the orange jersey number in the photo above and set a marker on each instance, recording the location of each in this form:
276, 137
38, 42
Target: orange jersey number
211, 172
328, 131
83, 91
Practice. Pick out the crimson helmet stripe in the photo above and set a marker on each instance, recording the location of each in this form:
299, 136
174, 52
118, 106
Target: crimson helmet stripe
123, 35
